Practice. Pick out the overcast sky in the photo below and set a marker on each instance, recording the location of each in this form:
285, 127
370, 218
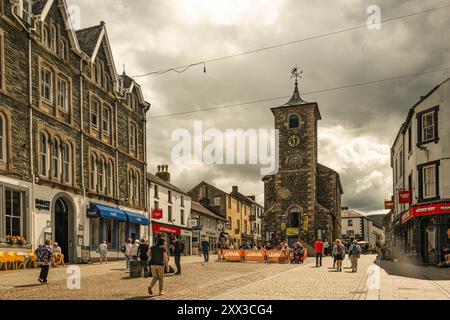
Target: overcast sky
358, 124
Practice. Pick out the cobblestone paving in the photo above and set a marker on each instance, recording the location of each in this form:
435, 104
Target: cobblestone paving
238, 281
308, 283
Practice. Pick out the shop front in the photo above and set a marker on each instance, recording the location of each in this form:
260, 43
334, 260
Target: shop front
114, 226
161, 230
423, 232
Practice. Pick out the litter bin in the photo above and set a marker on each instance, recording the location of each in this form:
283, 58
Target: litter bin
135, 269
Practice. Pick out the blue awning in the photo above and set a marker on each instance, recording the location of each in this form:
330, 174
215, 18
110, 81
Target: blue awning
137, 218
111, 213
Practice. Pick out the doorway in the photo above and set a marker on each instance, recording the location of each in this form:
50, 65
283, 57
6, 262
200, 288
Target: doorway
62, 224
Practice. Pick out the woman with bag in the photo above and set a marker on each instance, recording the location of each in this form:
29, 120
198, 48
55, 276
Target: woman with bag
339, 254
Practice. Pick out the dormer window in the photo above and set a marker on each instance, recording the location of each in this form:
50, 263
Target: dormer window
293, 121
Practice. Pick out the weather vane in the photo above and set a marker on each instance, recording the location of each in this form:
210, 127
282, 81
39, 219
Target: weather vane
297, 74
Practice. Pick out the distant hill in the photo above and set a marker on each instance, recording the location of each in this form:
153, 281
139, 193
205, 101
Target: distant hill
377, 218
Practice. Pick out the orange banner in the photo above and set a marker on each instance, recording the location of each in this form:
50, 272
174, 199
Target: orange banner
232, 255
280, 256
253, 255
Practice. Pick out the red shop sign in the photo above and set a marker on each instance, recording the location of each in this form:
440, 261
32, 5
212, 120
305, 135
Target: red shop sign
157, 214
404, 197
164, 229
431, 209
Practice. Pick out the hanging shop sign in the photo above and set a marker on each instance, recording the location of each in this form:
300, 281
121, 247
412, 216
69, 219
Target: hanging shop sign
404, 196
193, 222
157, 214
388, 204
283, 226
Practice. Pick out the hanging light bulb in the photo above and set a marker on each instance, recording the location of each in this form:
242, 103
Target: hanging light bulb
204, 68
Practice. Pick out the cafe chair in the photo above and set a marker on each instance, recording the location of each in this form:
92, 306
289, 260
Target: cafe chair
20, 260
32, 258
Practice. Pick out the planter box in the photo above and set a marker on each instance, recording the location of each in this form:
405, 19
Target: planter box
15, 247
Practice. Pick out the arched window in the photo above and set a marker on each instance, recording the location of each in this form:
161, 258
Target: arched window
109, 178
94, 72
56, 159
130, 186
43, 154
53, 38
136, 190
99, 73
3, 141
101, 175
293, 121
45, 36
294, 218
67, 159
63, 49
93, 173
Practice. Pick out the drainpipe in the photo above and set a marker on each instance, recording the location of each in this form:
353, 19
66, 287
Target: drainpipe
33, 176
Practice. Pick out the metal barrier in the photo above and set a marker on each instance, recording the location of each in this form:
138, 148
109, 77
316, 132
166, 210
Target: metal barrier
271, 256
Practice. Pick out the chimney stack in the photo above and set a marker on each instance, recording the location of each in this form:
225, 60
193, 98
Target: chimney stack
163, 173
235, 189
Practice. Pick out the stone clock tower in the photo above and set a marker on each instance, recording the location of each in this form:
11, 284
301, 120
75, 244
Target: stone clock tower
303, 199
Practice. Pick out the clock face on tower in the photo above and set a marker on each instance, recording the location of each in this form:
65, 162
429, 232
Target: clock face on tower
294, 141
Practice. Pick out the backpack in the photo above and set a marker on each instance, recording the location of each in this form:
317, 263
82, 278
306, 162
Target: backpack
355, 250
339, 250
181, 246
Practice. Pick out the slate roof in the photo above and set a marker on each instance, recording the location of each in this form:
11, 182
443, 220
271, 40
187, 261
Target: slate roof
88, 37
38, 6
127, 81
352, 214
195, 206
295, 99
159, 181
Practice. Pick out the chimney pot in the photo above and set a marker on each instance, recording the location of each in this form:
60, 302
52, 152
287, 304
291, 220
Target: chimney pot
235, 188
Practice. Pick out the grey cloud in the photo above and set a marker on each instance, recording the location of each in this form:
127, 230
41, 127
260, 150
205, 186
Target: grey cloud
151, 35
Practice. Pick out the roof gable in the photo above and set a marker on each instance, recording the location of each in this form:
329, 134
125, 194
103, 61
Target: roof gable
41, 8
93, 39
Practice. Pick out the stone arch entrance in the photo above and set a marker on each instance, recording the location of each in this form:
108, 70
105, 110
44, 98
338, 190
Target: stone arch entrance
63, 226
293, 224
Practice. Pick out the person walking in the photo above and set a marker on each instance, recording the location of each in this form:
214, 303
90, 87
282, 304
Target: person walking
143, 257
126, 249
326, 248
134, 250
354, 253
44, 254
205, 249
103, 251
158, 264
318, 250
339, 254
177, 250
